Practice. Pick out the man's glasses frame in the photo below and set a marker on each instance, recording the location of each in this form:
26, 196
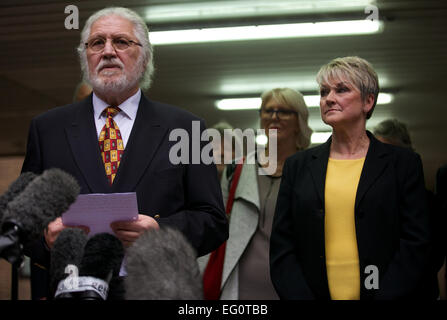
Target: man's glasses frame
119, 44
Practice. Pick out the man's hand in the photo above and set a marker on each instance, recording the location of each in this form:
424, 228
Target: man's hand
54, 228
129, 231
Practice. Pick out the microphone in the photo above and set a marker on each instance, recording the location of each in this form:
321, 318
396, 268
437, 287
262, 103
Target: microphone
44, 199
162, 265
66, 256
100, 266
14, 190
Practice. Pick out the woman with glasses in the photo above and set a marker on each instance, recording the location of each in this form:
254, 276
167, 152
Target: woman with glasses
351, 220
245, 267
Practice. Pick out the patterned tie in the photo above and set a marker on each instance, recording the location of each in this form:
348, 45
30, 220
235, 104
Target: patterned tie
111, 143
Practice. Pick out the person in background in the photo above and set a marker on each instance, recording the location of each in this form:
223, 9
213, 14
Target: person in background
82, 91
245, 266
351, 220
394, 132
117, 141
226, 146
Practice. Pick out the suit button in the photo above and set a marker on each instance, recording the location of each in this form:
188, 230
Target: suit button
157, 216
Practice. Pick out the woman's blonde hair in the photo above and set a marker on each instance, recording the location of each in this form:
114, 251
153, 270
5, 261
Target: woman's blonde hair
295, 100
356, 70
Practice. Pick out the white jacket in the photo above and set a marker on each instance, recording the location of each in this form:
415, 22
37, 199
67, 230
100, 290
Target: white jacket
243, 224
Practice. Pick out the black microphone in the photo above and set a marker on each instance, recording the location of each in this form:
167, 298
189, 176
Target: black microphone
100, 265
66, 256
14, 190
44, 199
162, 265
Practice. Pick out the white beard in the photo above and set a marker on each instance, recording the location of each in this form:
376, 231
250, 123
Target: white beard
125, 82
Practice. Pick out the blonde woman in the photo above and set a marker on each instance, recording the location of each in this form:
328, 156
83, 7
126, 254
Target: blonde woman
245, 268
351, 220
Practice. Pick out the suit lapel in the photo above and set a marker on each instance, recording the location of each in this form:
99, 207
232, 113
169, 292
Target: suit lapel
375, 163
248, 179
144, 140
83, 141
318, 167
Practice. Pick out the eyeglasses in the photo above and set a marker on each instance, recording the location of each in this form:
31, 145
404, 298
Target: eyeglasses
280, 114
120, 44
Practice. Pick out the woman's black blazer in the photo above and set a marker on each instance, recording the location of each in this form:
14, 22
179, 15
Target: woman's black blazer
391, 221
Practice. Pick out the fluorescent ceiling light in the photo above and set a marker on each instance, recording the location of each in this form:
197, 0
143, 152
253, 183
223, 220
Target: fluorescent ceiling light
244, 84
261, 139
277, 31
319, 137
255, 103
316, 137
239, 104
314, 100
385, 98
194, 11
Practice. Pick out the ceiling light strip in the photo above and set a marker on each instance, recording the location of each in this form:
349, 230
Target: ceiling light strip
278, 31
195, 11
316, 137
312, 101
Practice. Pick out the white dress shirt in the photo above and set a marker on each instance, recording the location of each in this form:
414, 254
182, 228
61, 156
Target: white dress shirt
124, 119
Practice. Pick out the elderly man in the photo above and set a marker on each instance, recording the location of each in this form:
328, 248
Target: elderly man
116, 60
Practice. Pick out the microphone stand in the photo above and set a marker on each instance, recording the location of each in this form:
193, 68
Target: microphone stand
15, 281
11, 250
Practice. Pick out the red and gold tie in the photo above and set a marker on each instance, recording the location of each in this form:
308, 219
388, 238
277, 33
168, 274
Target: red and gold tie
111, 143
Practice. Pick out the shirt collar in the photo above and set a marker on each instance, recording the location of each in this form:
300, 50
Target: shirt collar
129, 107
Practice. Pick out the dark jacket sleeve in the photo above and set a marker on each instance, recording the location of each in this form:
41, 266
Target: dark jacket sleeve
406, 268
203, 220
33, 164
32, 160
285, 270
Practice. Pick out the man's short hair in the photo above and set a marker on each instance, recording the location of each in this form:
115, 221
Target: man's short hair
394, 132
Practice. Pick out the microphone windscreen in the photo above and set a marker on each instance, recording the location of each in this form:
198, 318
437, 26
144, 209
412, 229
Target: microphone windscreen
102, 258
14, 190
116, 289
43, 200
67, 249
162, 265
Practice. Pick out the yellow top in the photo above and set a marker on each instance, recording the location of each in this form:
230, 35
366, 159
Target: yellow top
342, 258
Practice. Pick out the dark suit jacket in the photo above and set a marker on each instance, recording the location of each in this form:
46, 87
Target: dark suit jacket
391, 221
185, 196
441, 200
